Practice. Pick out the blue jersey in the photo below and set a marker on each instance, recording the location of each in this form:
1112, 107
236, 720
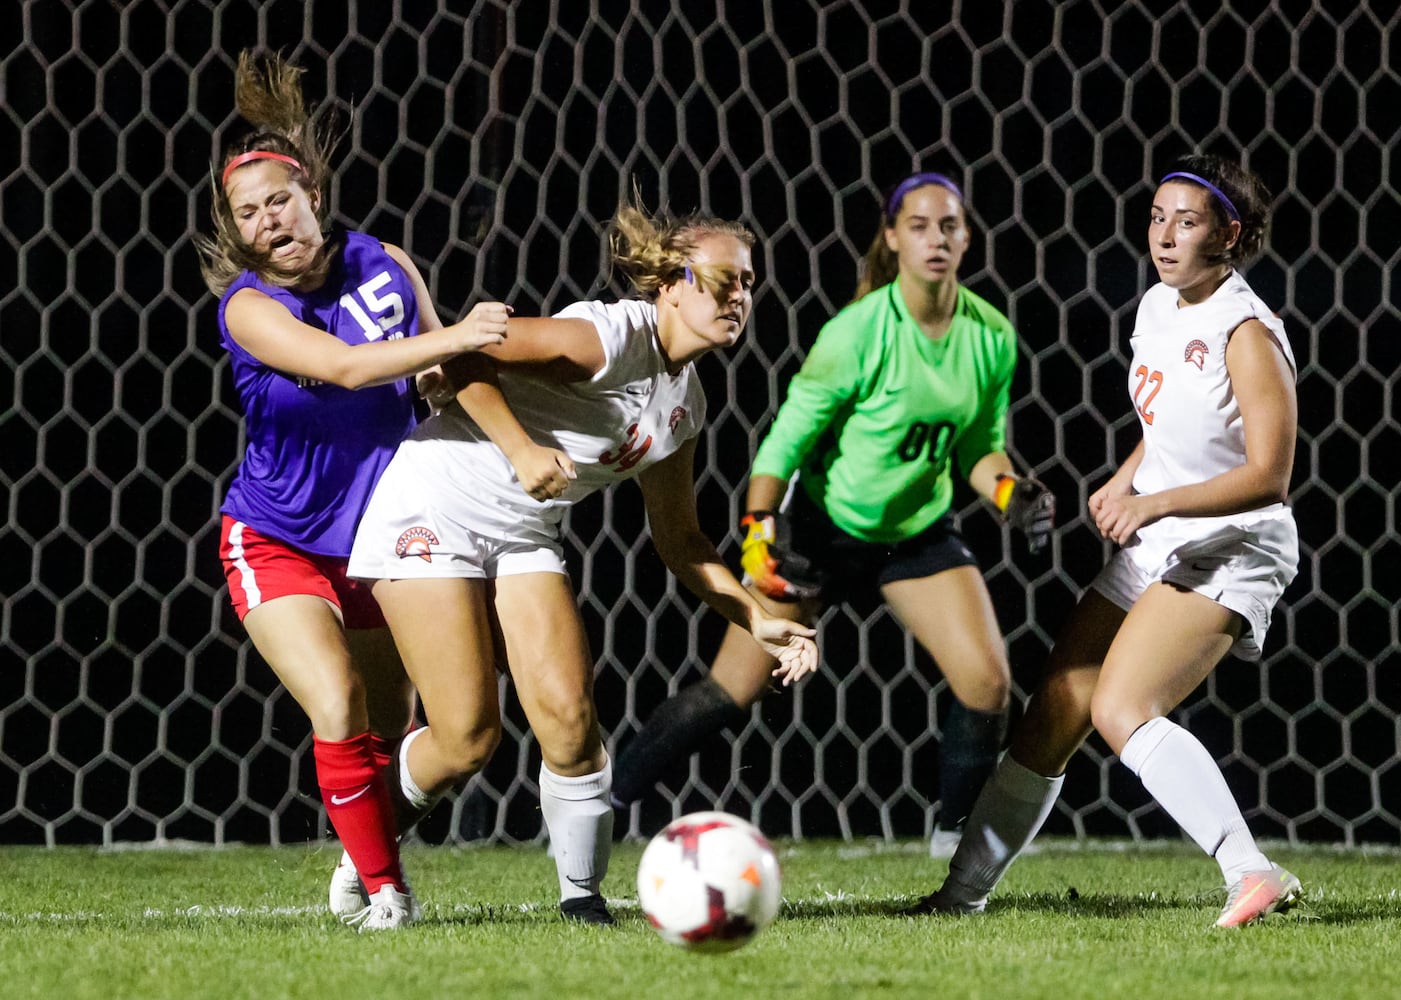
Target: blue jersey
315, 450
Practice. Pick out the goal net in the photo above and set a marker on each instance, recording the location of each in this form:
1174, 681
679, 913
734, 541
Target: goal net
493, 140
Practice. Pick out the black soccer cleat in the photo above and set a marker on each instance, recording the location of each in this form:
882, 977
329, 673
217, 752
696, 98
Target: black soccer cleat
939, 903
587, 910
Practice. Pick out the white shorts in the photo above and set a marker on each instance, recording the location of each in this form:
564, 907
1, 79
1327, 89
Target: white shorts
1243, 566
404, 536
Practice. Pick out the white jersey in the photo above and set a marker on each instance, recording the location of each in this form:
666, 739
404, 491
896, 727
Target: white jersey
1192, 431
628, 416
1192, 428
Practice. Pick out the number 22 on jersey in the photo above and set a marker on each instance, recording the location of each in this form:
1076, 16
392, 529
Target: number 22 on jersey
1153, 380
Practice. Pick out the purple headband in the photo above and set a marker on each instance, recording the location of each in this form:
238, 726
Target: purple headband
897, 197
1220, 195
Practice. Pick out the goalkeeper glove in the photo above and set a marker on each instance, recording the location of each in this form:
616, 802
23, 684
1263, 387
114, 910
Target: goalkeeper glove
1027, 506
773, 570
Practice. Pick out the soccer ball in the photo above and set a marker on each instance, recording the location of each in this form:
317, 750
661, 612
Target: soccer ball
709, 882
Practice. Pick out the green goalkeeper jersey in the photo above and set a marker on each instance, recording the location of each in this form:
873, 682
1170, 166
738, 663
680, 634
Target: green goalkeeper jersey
878, 409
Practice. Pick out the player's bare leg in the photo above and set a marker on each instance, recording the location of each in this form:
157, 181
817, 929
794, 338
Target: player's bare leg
740, 675
302, 639
951, 616
389, 696
1168, 644
443, 630
1022, 790
553, 673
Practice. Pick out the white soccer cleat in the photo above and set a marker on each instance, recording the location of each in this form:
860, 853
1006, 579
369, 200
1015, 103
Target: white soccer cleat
348, 896
1257, 895
389, 909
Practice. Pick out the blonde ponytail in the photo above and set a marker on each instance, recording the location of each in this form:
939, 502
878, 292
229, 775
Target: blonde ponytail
652, 251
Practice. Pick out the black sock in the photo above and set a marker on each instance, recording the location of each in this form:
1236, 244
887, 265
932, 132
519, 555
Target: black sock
968, 752
675, 729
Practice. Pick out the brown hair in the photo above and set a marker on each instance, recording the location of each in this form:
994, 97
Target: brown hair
268, 94
1248, 197
881, 266
655, 250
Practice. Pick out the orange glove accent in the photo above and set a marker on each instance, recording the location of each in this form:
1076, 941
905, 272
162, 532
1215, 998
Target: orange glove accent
762, 558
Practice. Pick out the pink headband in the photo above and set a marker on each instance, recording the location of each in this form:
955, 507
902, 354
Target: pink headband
257, 154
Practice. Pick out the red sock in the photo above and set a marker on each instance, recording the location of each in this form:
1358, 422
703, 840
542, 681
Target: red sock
382, 750
382, 747
357, 803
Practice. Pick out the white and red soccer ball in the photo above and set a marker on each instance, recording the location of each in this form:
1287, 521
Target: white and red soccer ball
709, 882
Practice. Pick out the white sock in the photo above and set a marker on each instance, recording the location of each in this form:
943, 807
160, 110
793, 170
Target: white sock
1010, 810
579, 819
416, 797
1184, 779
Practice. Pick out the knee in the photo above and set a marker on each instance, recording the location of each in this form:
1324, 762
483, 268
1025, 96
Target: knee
336, 707
1055, 723
567, 731
465, 750
989, 692
1115, 719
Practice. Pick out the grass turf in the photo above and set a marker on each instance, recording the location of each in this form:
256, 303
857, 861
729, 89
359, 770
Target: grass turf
1069, 921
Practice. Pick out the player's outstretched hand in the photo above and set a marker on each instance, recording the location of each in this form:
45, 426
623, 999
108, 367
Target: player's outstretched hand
544, 473
792, 644
483, 326
1031, 509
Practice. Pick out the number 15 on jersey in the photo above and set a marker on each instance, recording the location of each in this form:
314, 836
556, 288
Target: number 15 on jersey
389, 309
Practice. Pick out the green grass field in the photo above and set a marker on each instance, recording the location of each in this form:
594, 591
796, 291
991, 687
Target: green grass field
1069, 921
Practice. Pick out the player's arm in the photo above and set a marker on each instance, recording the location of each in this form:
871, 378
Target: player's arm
565, 350
982, 445
1023, 502
831, 375
765, 492
267, 330
561, 350
431, 383
668, 490
1264, 388
543, 472
987, 472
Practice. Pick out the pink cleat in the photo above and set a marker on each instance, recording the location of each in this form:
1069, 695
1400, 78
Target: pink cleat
1257, 895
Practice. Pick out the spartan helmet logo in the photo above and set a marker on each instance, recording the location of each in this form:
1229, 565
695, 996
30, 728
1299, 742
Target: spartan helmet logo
1196, 354
417, 541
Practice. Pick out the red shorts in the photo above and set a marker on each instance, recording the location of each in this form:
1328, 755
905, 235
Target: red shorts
259, 569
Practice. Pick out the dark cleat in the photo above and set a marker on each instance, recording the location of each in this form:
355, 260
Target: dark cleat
938, 903
587, 910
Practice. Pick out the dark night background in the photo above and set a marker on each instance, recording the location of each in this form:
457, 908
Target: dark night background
493, 141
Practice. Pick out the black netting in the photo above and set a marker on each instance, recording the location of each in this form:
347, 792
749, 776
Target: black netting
492, 140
